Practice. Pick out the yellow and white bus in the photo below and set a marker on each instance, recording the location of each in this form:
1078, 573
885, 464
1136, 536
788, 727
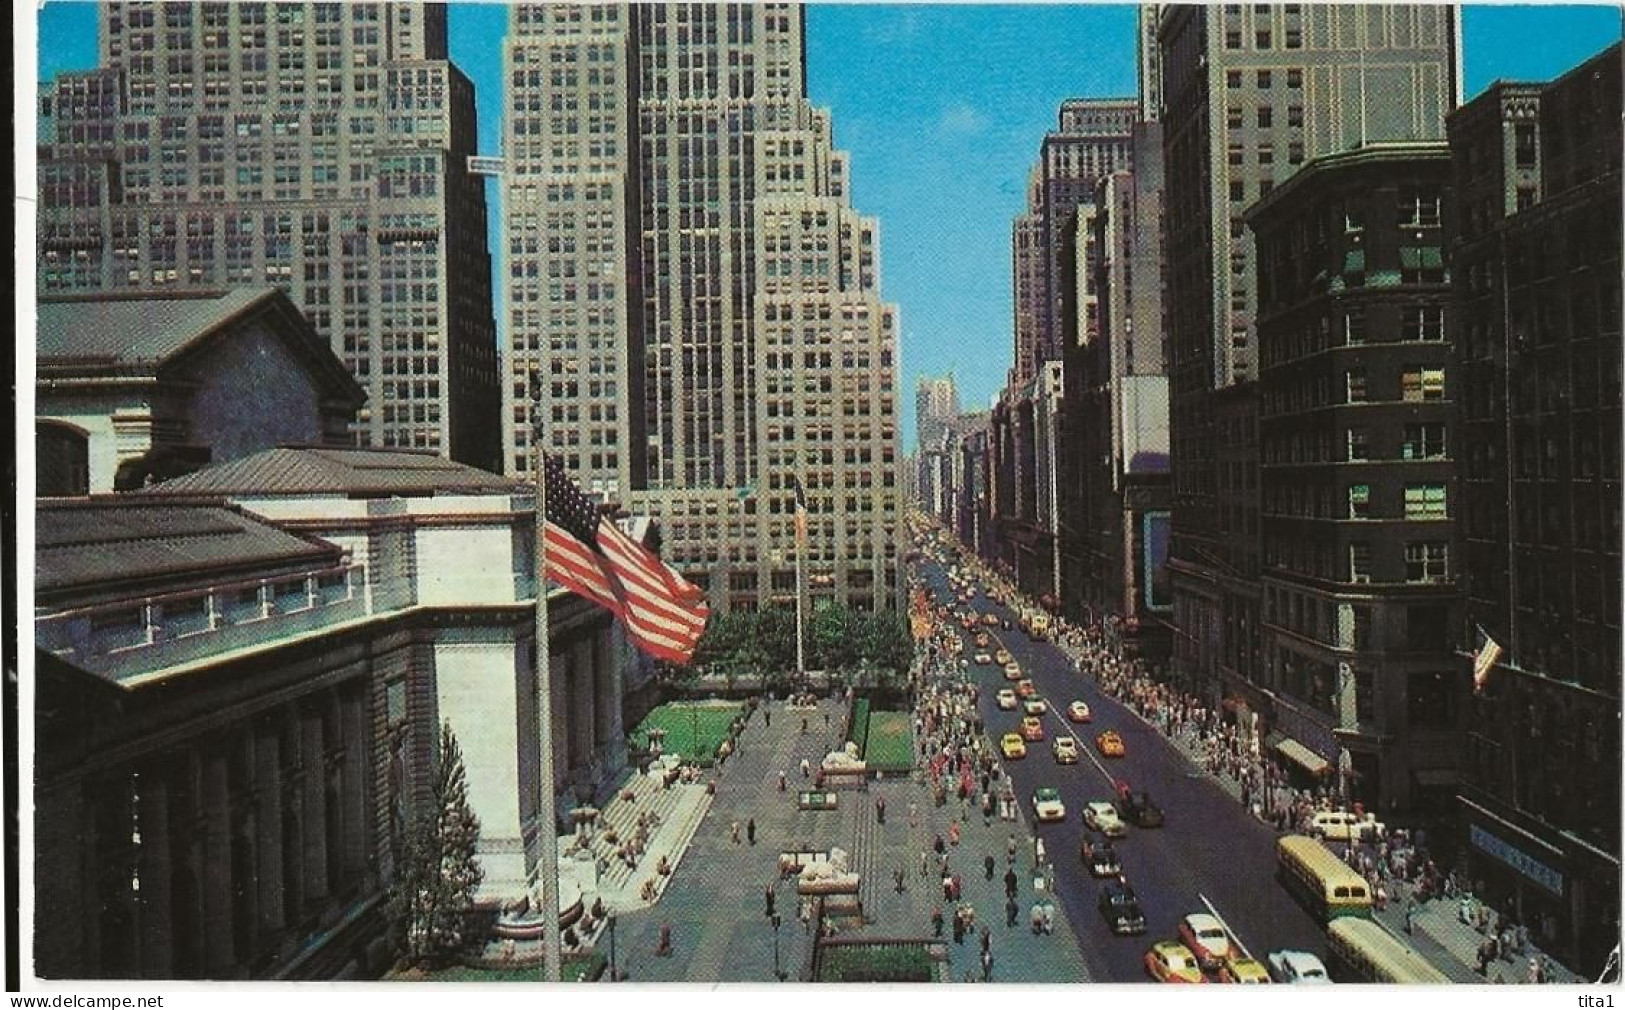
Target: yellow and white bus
1324, 883
1361, 950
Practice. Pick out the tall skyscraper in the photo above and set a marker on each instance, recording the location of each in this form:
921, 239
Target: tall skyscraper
1249, 93
318, 147
936, 404
1091, 140
687, 274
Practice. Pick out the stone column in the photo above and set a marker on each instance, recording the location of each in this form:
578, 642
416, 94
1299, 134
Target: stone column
157, 954
268, 804
353, 722
581, 719
607, 701
217, 896
315, 804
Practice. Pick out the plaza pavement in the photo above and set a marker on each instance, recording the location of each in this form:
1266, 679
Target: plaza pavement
715, 903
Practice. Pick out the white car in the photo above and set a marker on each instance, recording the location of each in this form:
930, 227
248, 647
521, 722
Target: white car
1298, 967
1007, 700
1204, 935
1102, 816
1343, 826
1065, 749
983, 659
1047, 805
1034, 706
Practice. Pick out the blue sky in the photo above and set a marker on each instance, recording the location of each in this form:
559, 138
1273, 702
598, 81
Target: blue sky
942, 109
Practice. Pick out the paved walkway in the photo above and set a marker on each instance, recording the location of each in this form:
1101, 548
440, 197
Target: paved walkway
716, 906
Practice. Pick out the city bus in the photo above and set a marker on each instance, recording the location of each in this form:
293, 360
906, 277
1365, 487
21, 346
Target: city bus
1360, 950
1322, 882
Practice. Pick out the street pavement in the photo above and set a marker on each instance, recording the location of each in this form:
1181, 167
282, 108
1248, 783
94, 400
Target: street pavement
1212, 855
716, 906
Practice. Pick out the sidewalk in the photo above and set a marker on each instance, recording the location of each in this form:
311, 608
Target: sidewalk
715, 902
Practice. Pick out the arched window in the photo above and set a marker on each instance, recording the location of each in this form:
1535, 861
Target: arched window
61, 460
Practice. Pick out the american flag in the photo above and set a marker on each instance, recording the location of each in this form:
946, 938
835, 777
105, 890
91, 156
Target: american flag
588, 554
1489, 650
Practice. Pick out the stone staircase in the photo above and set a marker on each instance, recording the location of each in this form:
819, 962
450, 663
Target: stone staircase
677, 812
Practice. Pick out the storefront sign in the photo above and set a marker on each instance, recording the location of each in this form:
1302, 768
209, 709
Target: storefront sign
1529, 866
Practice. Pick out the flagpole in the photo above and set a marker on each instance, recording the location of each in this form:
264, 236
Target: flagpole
801, 655
547, 873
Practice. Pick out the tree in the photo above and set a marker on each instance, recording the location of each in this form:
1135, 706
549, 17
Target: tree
435, 881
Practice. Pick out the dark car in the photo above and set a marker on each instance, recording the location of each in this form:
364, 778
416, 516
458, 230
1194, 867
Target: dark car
1138, 810
1102, 861
1121, 910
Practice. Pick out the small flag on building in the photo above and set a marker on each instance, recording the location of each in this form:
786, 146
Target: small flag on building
1489, 650
801, 513
589, 555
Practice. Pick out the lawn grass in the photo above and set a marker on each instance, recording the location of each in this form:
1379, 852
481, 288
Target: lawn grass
892, 962
680, 720
890, 742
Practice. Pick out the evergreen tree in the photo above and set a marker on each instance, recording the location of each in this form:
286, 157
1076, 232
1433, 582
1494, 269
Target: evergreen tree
435, 880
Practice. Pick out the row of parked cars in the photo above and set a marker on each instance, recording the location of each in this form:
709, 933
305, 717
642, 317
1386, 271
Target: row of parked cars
1206, 950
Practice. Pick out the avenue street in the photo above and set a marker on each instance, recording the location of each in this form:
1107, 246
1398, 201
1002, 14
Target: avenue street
1209, 848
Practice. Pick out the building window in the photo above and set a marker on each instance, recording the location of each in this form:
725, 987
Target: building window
1420, 383
1266, 117
1359, 561
1424, 441
1232, 78
1238, 190
1426, 501
1421, 265
1424, 323
1232, 38
1294, 38
1264, 79
1233, 117
1357, 443
1294, 152
1419, 209
1524, 144
1354, 381
1354, 327
1359, 501
1294, 115
1427, 561
1294, 78
1263, 37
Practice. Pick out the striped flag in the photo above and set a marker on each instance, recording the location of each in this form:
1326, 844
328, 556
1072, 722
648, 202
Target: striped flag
589, 555
1489, 650
801, 513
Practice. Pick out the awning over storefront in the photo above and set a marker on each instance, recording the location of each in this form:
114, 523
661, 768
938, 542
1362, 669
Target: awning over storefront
1302, 756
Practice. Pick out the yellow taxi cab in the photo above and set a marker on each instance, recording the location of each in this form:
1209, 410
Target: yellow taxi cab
1110, 744
1025, 689
1002, 657
1244, 970
1013, 746
1032, 729
1167, 961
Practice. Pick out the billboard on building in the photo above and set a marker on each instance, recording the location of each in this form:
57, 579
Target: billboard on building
1154, 560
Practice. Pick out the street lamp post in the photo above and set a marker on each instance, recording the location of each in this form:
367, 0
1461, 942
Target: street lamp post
613, 975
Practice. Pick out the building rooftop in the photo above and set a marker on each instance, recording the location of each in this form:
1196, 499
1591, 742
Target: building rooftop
352, 473
87, 547
136, 333
127, 328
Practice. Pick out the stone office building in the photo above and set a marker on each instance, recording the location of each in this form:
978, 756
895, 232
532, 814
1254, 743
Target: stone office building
1537, 277
1360, 604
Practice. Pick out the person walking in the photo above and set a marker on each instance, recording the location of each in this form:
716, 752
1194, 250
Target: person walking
782, 783
880, 810
768, 896
663, 948
899, 877
750, 830
936, 921
1010, 883
987, 965
767, 717
1012, 911
806, 768
988, 862
733, 832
